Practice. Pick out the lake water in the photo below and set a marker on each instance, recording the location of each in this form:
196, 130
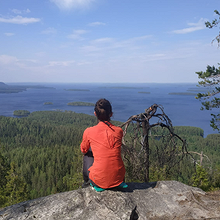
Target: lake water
126, 99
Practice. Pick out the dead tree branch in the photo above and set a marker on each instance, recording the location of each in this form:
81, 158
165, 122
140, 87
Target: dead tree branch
151, 134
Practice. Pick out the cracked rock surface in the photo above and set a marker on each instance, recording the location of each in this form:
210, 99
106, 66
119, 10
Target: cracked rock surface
142, 201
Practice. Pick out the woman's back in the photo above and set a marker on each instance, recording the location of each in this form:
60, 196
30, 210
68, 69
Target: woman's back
108, 168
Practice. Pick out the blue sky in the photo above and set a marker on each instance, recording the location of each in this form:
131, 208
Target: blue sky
106, 40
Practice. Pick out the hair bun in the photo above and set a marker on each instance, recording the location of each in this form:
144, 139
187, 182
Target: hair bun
103, 110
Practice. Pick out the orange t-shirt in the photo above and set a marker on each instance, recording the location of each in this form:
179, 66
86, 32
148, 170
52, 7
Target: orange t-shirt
108, 168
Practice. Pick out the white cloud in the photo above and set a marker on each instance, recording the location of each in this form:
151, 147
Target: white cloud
102, 40
103, 46
27, 10
6, 60
157, 57
61, 63
84, 63
72, 4
141, 38
19, 20
194, 27
29, 61
77, 34
9, 34
96, 24
16, 11
49, 31
11, 61
91, 49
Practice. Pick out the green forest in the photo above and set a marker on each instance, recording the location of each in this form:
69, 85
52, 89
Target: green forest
40, 155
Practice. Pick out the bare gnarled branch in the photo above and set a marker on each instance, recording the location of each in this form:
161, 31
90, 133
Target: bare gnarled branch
139, 131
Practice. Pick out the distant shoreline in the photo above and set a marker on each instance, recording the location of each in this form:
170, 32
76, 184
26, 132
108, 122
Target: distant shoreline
81, 104
4, 88
74, 90
126, 102
182, 93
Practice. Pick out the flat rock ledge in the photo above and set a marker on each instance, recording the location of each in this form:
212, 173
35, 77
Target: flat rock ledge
157, 200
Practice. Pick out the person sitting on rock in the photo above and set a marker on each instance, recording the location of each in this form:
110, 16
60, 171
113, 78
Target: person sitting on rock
103, 142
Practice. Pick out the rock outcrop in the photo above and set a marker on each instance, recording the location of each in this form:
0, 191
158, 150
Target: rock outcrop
142, 201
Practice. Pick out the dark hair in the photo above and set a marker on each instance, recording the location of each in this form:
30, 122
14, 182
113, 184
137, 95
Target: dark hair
103, 110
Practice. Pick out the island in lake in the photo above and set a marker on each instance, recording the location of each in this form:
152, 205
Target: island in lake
21, 113
182, 93
83, 90
81, 104
199, 89
48, 103
121, 87
144, 92
4, 88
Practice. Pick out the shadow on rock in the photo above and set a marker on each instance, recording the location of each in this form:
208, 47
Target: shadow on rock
138, 186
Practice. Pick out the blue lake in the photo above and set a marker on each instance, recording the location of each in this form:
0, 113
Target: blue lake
126, 99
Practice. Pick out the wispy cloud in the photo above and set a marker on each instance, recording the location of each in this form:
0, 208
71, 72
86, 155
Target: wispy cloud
72, 4
16, 11
154, 57
14, 61
77, 34
93, 24
120, 43
83, 63
106, 45
193, 27
19, 20
141, 38
61, 63
102, 40
9, 34
6, 60
49, 31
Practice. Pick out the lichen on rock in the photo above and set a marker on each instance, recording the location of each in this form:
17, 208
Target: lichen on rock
142, 201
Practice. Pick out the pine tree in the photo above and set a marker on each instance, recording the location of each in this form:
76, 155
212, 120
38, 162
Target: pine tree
200, 178
211, 79
16, 188
3, 180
